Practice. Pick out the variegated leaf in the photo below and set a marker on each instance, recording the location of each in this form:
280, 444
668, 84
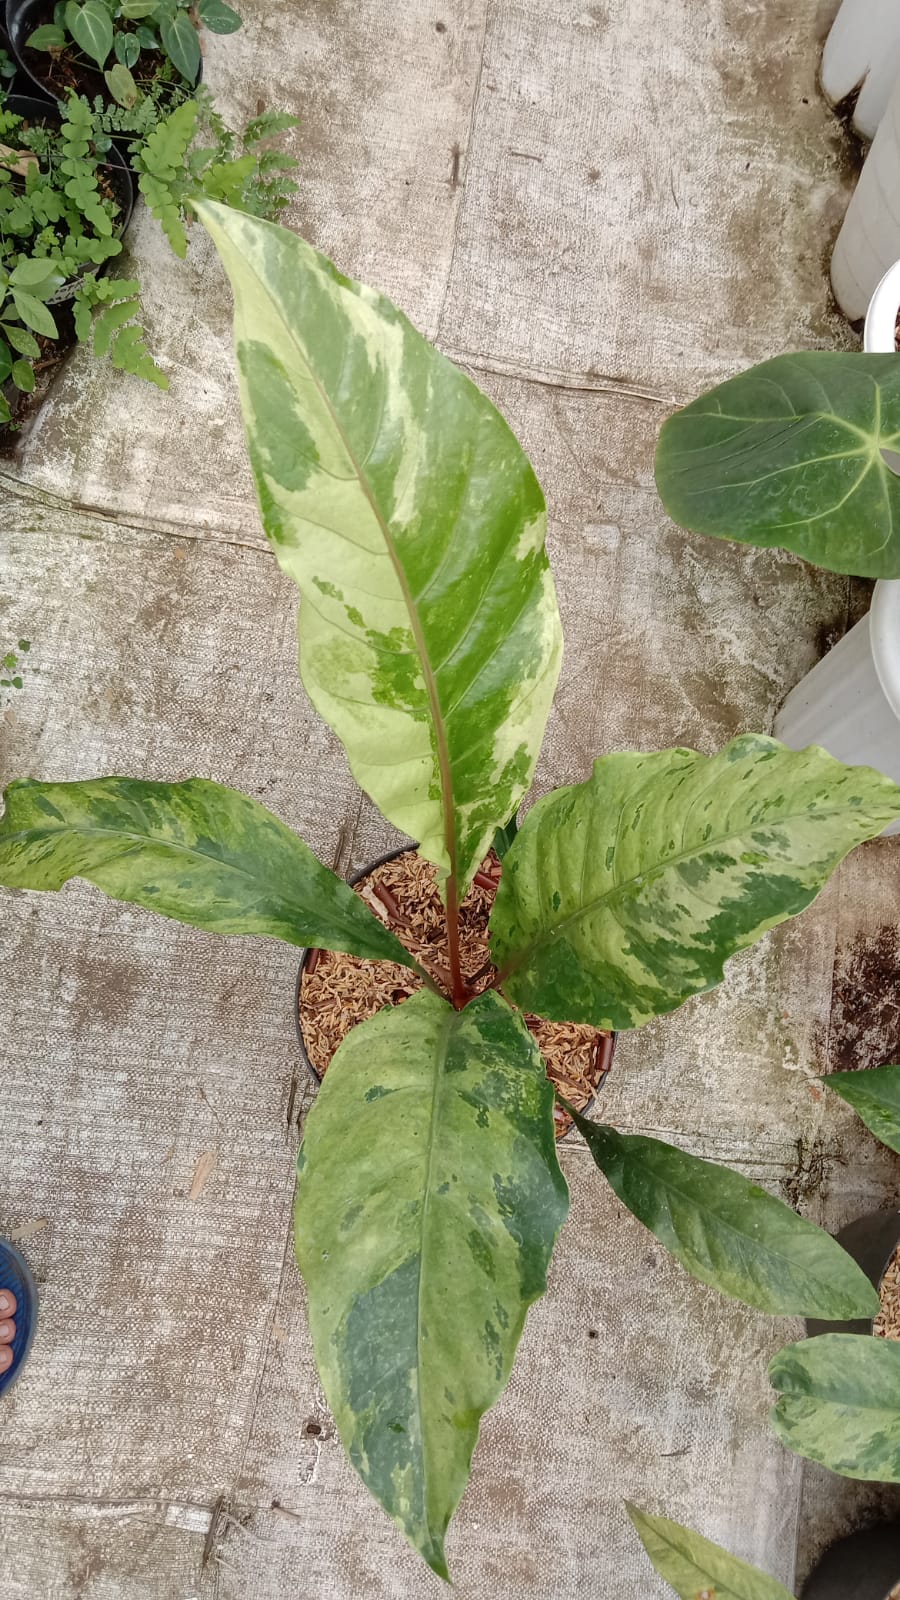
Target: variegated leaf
790, 453
875, 1097
698, 1569
195, 851
624, 895
840, 1404
727, 1231
429, 1200
398, 500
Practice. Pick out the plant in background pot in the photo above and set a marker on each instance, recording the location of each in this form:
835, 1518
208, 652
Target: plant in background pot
430, 1193
138, 46
63, 208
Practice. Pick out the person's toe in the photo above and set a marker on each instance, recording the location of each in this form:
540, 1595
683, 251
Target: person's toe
8, 1303
7, 1331
6, 1357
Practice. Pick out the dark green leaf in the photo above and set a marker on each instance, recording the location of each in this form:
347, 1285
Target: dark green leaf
6, 361
23, 376
128, 50
875, 1097
840, 1404
47, 37
218, 17
624, 895
195, 851
789, 454
181, 44
504, 836
34, 313
22, 341
728, 1232
91, 27
398, 500
428, 1203
697, 1569
36, 274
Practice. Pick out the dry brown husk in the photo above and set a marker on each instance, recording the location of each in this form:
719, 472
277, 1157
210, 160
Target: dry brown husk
338, 991
887, 1323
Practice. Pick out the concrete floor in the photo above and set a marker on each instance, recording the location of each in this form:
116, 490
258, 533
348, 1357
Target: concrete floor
597, 209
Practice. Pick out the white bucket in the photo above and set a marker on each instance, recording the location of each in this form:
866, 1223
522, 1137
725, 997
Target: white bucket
863, 52
869, 239
850, 702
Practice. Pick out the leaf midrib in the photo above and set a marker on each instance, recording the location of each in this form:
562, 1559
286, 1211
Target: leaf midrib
442, 747
550, 935
443, 1046
707, 1575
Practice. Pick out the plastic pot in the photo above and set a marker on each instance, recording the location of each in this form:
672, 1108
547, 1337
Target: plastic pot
869, 240
862, 52
15, 1274
871, 1241
850, 702
353, 880
864, 1567
22, 17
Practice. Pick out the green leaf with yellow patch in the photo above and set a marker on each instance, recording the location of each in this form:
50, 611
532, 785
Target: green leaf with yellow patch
195, 851
790, 454
698, 1569
429, 1200
727, 1231
397, 498
840, 1404
875, 1097
623, 896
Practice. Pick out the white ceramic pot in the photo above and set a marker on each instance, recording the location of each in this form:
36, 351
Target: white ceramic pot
869, 240
863, 52
850, 702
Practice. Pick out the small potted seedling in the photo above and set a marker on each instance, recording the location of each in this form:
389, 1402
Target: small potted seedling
430, 1193
117, 48
864, 1567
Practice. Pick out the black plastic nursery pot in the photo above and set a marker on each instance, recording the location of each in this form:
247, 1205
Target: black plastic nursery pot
305, 956
18, 84
48, 78
864, 1567
871, 1241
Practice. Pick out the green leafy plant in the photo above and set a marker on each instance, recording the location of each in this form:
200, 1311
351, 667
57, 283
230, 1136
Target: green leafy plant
59, 223
698, 1569
134, 34
12, 666
792, 453
840, 1392
429, 1191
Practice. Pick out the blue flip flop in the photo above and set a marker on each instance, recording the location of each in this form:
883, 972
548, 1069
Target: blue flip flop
15, 1274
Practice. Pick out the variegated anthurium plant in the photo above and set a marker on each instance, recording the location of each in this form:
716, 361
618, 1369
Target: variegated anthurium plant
430, 1194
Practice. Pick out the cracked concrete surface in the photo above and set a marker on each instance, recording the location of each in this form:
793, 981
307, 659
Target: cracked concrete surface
598, 209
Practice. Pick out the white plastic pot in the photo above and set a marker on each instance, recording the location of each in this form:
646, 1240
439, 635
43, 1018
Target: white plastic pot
850, 702
863, 52
869, 240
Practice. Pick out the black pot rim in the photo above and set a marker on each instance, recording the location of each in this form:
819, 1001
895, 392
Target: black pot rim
871, 1240
12, 10
864, 1566
353, 880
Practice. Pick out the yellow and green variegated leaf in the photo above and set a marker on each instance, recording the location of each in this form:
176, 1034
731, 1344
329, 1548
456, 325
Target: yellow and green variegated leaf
790, 454
429, 1200
698, 1569
840, 1404
727, 1231
875, 1097
195, 851
624, 895
397, 498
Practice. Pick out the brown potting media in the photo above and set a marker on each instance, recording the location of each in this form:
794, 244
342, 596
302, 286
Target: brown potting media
887, 1323
339, 990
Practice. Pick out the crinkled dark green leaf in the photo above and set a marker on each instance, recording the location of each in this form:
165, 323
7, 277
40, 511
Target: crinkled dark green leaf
840, 1404
624, 895
196, 851
698, 1569
875, 1097
727, 1231
429, 1200
790, 454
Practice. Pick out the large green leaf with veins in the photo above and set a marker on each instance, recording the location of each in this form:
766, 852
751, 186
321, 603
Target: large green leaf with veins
429, 1200
399, 501
790, 454
698, 1569
727, 1231
622, 896
195, 851
840, 1404
875, 1097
